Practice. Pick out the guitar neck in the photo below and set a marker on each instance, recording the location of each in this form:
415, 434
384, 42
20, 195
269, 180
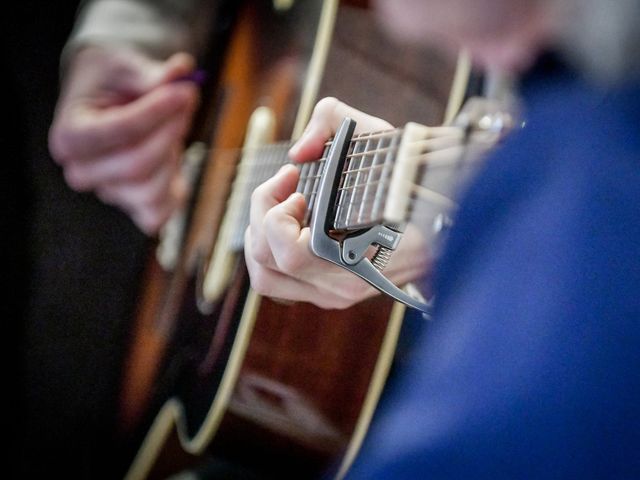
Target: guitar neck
364, 180
385, 174
363, 187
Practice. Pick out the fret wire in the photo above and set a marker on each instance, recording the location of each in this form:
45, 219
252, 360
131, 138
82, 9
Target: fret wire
314, 189
355, 163
385, 176
302, 181
392, 134
356, 178
363, 175
353, 146
303, 178
304, 169
354, 170
380, 190
435, 200
351, 224
369, 152
313, 170
262, 163
370, 135
265, 160
324, 158
358, 185
373, 175
354, 159
345, 197
388, 134
431, 164
287, 144
355, 138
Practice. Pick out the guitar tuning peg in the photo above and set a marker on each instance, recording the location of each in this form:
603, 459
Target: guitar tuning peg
442, 223
487, 117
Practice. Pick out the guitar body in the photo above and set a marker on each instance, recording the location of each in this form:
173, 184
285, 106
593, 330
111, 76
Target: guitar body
230, 384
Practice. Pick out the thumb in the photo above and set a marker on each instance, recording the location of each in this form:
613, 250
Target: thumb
148, 74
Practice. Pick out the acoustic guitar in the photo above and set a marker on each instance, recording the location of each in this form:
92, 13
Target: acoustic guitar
226, 382
188, 352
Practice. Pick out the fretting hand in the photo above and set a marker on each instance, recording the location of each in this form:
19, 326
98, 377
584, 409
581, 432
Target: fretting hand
279, 260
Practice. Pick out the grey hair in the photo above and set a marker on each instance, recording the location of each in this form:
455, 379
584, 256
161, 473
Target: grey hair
602, 38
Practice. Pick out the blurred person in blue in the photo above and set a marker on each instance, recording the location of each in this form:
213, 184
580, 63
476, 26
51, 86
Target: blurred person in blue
529, 367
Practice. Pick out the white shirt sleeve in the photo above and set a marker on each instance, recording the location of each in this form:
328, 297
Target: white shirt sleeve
159, 28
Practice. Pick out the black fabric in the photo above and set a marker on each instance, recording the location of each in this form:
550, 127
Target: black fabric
72, 265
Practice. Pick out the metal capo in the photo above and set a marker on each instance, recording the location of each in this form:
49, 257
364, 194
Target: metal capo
349, 253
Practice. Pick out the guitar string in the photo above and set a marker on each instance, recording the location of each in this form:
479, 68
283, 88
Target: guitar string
449, 132
430, 158
434, 196
348, 156
431, 164
363, 155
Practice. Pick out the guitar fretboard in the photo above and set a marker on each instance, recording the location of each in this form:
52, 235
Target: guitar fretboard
362, 190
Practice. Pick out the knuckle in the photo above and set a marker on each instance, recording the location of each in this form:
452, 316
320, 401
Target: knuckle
107, 196
260, 281
259, 250
290, 264
326, 105
258, 194
271, 219
76, 180
149, 221
61, 143
260, 253
153, 197
139, 169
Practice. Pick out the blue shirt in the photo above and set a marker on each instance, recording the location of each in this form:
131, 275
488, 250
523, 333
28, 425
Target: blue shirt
531, 368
